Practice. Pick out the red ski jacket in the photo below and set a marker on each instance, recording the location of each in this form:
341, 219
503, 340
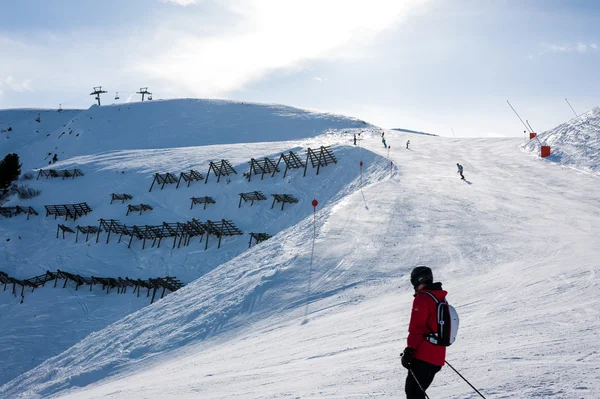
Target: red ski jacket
423, 320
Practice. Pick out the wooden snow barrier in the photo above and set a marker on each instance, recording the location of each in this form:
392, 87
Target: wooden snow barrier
545, 151
143, 233
292, 161
138, 208
59, 173
87, 230
68, 210
251, 196
64, 229
259, 237
189, 177
176, 230
120, 197
152, 284
221, 168
262, 167
321, 157
168, 283
202, 200
33, 282
165, 178
10, 211
283, 198
111, 226
182, 233
220, 229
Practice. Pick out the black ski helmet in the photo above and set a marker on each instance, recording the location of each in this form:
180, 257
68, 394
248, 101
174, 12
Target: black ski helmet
421, 275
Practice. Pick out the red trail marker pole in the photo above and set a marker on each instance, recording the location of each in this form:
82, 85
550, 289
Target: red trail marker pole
312, 254
361, 164
389, 146
314, 204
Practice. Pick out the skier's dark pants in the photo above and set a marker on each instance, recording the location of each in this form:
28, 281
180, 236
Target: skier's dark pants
461, 176
424, 372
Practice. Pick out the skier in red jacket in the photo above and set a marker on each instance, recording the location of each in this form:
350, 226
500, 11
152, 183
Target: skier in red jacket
422, 358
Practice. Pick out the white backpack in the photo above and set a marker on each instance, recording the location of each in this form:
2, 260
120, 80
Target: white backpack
447, 323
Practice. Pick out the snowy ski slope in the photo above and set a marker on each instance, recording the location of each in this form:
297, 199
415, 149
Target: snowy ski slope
516, 245
30, 247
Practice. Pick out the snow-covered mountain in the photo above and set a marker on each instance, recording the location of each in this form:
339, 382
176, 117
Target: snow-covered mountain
321, 309
180, 123
20, 129
30, 247
574, 144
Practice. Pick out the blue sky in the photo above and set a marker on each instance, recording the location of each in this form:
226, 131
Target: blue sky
431, 65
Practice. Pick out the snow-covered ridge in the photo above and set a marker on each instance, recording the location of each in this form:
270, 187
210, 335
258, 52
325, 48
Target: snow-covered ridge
248, 276
119, 148
179, 123
575, 144
20, 129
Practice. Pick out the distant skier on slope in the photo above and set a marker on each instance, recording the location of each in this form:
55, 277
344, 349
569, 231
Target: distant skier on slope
384, 143
407, 143
460, 170
354, 138
422, 358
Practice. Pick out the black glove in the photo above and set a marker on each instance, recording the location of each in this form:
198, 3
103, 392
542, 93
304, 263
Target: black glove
407, 356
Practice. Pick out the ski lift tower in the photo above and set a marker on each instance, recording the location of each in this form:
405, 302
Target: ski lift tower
97, 91
144, 90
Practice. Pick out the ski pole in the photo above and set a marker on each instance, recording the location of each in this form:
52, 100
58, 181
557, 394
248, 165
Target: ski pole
465, 380
418, 383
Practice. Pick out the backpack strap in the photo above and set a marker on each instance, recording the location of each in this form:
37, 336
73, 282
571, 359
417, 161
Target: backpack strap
432, 337
431, 295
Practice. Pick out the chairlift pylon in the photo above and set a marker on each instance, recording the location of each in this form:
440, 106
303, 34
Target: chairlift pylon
117, 96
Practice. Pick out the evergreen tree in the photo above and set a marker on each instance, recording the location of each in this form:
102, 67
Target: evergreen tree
10, 169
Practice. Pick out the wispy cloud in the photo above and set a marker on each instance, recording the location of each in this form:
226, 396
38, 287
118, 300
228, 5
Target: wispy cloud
568, 48
236, 43
180, 2
20, 87
268, 35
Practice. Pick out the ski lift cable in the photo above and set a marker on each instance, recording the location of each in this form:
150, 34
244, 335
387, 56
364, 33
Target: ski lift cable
15, 120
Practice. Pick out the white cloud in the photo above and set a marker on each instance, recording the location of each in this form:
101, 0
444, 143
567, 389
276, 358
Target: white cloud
568, 48
180, 2
236, 43
268, 35
21, 87
582, 48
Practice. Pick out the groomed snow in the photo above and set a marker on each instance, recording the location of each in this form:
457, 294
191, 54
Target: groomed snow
516, 246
